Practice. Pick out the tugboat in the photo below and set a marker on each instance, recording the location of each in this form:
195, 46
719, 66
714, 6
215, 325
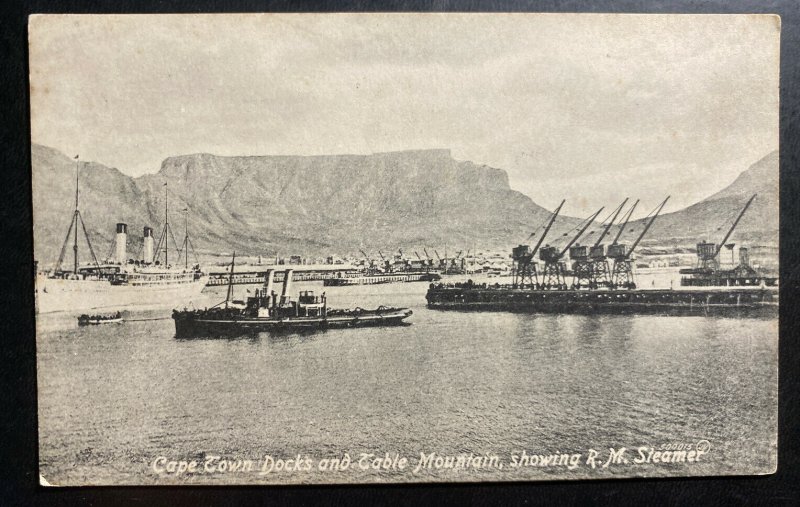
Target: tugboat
266, 311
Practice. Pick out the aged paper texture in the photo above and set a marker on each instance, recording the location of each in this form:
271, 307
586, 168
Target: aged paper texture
358, 248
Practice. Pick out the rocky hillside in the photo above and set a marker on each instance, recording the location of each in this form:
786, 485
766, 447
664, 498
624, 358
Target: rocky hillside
325, 204
343, 203
711, 218
106, 195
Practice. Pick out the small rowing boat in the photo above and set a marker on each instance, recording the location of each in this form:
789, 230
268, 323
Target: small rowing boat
94, 320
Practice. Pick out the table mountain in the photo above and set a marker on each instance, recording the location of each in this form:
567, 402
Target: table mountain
287, 204
342, 203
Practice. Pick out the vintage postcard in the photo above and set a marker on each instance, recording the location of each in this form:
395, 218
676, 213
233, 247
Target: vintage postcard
387, 248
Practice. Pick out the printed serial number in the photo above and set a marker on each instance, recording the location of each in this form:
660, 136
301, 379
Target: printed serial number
676, 447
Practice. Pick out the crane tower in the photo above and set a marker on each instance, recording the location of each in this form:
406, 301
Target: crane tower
554, 274
622, 273
525, 272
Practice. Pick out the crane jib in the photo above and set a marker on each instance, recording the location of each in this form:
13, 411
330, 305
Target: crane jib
647, 227
735, 223
580, 233
608, 227
547, 228
625, 223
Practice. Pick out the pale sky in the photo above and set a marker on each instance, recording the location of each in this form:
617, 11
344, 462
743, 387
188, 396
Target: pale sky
590, 108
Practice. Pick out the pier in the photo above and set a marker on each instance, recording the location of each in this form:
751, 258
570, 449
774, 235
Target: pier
254, 274
739, 301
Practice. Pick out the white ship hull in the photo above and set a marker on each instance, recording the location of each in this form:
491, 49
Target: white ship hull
62, 295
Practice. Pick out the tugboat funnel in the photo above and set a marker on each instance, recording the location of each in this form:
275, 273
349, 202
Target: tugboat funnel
268, 283
122, 243
287, 284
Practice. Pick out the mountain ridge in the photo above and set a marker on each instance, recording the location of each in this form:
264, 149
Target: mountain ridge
322, 204
759, 224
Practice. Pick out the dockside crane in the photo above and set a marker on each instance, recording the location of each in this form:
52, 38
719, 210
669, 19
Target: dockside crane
370, 265
616, 250
385, 262
524, 268
424, 263
463, 267
708, 253
554, 275
708, 271
625, 222
622, 273
428, 259
589, 265
402, 260
442, 261
454, 262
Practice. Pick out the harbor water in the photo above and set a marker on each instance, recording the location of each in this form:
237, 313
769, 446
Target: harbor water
119, 402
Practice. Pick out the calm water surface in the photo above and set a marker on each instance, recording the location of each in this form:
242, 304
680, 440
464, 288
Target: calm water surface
114, 398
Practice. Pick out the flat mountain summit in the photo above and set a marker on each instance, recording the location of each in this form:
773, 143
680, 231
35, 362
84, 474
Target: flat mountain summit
337, 204
288, 204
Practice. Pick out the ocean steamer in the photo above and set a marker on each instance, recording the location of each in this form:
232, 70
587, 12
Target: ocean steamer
602, 282
121, 282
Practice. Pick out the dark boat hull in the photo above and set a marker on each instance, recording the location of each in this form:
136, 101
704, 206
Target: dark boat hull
97, 322
743, 302
193, 324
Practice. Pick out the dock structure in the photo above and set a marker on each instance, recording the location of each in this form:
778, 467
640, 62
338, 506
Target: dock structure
379, 278
738, 301
742, 291
254, 274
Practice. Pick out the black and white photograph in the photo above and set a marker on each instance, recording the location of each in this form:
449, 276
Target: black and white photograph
277, 249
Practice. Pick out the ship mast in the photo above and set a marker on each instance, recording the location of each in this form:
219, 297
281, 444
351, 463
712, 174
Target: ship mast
77, 220
230, 280
166, 233
186, 238
166, 223
183, 251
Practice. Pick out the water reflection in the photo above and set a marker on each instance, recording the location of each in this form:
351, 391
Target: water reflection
449, 382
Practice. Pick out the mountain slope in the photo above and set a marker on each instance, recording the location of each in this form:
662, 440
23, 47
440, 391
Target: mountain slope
323, 204
343, 203
711, 218
102, 189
